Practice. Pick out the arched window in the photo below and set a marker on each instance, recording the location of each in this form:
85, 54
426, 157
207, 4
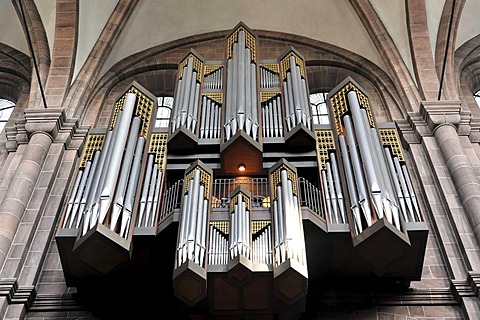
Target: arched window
6, 108
476, 95
163, 112
318, 103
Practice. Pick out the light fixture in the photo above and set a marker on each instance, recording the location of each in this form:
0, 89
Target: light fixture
241, 167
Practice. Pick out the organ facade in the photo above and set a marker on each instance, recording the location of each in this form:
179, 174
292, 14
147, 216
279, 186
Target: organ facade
315, 202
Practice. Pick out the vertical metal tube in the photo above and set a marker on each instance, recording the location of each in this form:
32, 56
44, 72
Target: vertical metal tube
125, 172
241, 81
151, 192
254, 99
295, 83
68, 211
333, 196
204, 116
187, 74
117, 154
306, 103
158, 187
198, 228
208, 116
396, 184
145, 187
326, 193
338, 187
82, 189
195, 108
279, 114
275, 118
193, 215
248, 93
228, 99
132, 186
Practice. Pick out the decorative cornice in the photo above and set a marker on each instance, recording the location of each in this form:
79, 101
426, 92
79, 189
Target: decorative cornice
52, 122
15, 294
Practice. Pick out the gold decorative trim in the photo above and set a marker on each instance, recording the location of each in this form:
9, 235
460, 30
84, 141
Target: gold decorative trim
340, 106
249, 43
275, 180
143, 109
325, 144
94, 143
285, 63
197, 66
158, 146
233, 202
211, 68
204, 179
390, 138
215, 96
273, 67
222, 226
258, 225
267, 95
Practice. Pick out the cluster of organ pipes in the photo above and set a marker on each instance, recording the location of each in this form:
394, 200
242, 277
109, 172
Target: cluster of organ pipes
287, 218
240, 225
269, 78
262, 246
192, 235
152, 185
241, 93
213, 80
218, 247
272, 117
104, 191
187, 95
297, 104
211, 115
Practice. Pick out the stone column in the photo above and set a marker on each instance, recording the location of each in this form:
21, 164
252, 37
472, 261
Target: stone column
444, 120
41, 126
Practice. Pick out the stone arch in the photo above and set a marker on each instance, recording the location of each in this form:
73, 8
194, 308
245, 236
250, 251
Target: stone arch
155, 67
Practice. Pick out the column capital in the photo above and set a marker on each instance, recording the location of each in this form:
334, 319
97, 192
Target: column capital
52, 122
437, 113
433, 114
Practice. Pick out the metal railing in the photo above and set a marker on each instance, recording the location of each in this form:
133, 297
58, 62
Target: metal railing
309, 194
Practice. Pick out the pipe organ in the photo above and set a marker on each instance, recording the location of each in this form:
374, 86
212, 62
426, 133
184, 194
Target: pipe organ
241, 111
187, 93
297, 105
237, 237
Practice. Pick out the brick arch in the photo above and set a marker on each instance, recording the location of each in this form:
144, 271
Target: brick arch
467, 73
149, 64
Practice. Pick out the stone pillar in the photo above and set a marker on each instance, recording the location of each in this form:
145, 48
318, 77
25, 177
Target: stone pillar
21, 188
42, 127
443, 119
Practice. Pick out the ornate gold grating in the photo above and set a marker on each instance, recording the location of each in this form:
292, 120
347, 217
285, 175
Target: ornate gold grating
197, 66
94, 143
340, 106
215, 96
275, 180
273, 67
221, 226
158, 146
390, 138
143, 109
249, 43
211, 68
267, 95
325, 143
258, 225
285, 63
204, 180
234, 200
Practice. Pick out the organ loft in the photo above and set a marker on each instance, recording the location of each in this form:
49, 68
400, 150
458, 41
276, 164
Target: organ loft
316, 204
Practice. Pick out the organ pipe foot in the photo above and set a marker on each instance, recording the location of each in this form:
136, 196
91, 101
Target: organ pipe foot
381, 245
290, 282
190, 283
102, 249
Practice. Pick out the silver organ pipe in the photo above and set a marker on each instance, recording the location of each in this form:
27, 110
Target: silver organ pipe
192, 239
291, 243
187, 95
240, 230
119, 199
272, 116
297, 106
241, 102
211, 112
261, 246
